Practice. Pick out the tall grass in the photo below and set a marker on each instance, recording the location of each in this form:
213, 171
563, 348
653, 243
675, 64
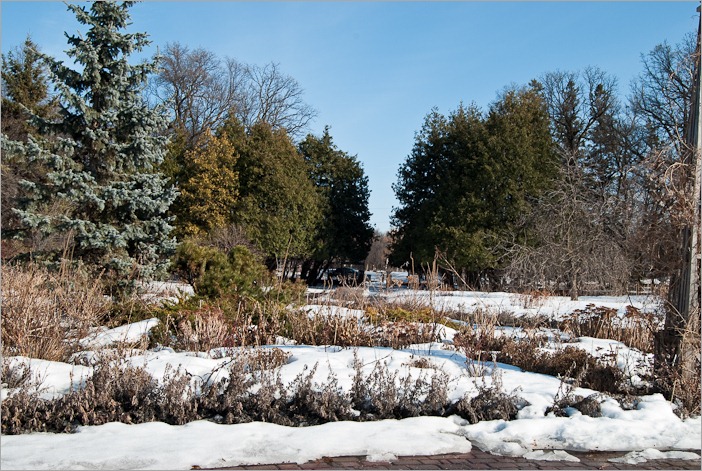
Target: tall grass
635, 329
45, 313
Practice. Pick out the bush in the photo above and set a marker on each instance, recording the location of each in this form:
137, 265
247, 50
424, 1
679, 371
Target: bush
383, 395
204, 330
491, 403
569, 362
253, 391
590, 405
130, 309
214, 273
634, 329
317, 404
116, 392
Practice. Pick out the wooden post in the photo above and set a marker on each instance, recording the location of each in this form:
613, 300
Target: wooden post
678, 344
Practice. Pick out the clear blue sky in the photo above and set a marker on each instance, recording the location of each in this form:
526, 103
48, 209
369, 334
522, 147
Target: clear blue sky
373, 70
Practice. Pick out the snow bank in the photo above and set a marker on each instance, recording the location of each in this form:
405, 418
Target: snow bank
652, 425
205, 444
555, 307
328, 310
129, 333
51, 378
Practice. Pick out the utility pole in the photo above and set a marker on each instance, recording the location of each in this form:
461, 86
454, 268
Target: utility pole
679, 341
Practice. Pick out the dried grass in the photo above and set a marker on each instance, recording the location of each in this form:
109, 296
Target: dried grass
491, 402
46, 313
635, 329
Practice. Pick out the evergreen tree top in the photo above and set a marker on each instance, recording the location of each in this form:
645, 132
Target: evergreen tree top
101, 151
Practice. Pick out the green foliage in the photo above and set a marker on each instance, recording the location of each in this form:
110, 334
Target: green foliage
278, 205
469, 178
25, 90
210, 189
103, 196
344, 233
214, 273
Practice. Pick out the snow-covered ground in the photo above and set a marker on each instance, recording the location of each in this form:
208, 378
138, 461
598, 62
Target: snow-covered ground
553, 307
650, 430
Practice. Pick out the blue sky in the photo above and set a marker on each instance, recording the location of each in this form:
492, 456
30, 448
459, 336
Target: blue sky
373, 70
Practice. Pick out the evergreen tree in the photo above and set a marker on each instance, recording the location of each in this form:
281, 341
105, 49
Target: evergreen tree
25, 90
463, 223
420, 177
209, 193
278, 205
344, 234
469, 179
106, 198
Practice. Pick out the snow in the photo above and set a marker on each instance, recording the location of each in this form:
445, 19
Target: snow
632, 362
206, 444
51, 378
129, 333
636, 457
557, 455
653, 425
649, 431
165, 291
330, 310
554, 307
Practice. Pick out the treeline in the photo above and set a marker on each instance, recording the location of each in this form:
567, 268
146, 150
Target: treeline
562, 184
113, 164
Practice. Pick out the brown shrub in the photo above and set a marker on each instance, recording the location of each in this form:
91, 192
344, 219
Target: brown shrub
491, 403
569, 362
312, 404
635, 329
383, 395
204, 330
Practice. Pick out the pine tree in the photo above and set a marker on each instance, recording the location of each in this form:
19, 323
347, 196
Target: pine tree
278, 205
103, 195
418, 181
468, 180
209, 193
25, 87
25, 90
344, 233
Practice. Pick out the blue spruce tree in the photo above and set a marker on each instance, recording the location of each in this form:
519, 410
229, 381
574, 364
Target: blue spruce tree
102, 195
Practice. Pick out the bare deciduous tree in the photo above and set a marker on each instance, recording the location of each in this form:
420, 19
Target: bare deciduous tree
662, 93
576, 102
202, 91
273, 98
198, 88
377, 258
668, 98
571, 246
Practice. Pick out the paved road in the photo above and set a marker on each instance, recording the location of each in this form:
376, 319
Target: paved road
477, 459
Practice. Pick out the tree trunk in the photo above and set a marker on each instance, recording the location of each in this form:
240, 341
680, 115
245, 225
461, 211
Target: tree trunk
574, 293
